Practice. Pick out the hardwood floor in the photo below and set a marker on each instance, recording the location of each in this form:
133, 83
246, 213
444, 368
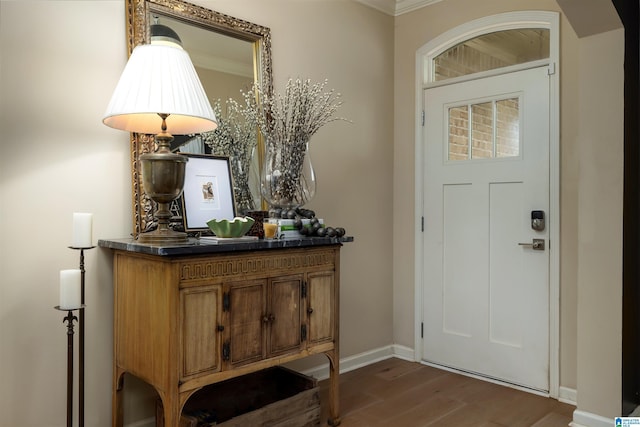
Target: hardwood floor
398, 393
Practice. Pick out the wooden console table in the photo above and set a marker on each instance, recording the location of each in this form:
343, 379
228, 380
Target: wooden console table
193, 315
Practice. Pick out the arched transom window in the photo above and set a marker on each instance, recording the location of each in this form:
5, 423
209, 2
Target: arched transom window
491, 51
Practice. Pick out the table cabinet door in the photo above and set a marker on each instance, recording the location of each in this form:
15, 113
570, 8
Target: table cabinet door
321, 307
200, 335
284, 315
245, 308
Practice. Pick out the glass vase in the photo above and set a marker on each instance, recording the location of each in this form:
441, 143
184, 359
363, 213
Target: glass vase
244, 187
287, 179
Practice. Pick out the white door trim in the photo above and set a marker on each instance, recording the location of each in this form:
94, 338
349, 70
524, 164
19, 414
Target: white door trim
511, 20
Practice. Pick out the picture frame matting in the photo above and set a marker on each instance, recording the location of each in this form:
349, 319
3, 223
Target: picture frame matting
208, 191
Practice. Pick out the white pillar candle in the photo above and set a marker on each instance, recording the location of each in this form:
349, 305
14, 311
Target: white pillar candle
70, 289
82, 230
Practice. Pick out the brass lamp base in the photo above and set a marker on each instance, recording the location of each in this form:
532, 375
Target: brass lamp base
163, 234
158, 238
163, 180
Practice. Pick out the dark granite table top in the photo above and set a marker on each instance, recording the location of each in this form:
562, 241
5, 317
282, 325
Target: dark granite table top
210, 246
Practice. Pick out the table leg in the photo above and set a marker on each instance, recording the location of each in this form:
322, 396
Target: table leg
116, 397
171, 408
334, 389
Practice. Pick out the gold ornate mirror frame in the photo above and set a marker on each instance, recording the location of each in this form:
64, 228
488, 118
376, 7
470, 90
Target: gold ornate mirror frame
138, 30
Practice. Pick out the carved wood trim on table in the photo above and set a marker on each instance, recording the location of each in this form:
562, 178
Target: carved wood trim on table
195, 270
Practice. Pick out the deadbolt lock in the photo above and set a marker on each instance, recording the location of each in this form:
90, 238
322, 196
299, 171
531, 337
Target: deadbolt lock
537, 220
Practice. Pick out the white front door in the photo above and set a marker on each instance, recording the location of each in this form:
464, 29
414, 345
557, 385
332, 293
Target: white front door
485, 287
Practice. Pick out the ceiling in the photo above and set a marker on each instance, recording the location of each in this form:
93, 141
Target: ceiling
590, 17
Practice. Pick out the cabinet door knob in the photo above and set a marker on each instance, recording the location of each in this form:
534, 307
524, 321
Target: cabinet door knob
309, 310
272, 317
220, 328
265, 319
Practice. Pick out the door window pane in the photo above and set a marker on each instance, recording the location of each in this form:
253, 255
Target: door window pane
459, 133
507, 128
484, 130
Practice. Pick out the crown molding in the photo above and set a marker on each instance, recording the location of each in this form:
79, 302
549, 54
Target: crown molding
385, 6
405, 6
397, 7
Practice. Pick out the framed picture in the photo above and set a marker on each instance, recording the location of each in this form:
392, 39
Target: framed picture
208, 191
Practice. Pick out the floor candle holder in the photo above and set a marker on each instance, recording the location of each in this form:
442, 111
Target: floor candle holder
81, 329
69, 319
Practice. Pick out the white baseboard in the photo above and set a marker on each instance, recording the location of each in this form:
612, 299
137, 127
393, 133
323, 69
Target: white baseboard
363, 359
352, 362
404, 353
587, 419
568, 395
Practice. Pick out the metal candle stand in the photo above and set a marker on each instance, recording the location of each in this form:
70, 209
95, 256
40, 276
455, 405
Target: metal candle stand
69, 319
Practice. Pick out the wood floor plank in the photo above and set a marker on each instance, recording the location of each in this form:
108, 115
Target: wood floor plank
468, 415
552, 419
417, 378
395, 392
409, 409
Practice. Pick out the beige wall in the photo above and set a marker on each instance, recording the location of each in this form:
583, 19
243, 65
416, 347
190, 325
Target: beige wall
600, 159
60, 62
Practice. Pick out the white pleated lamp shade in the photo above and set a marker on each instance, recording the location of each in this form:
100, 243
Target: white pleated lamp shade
160, 79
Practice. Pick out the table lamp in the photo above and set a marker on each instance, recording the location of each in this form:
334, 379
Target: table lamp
160, 93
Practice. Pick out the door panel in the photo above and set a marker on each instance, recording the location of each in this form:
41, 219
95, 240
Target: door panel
321, 306
200, 316
245, 333
461, 225
505, 264
285, 316
486, 307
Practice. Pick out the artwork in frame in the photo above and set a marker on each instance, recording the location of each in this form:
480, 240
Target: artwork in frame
208, 191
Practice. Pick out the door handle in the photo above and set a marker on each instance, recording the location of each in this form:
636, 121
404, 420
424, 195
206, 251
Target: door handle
536, 244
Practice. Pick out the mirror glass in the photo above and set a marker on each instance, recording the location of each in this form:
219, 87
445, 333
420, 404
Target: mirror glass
229, 55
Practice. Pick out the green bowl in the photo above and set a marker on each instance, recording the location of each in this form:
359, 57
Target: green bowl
237, 227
